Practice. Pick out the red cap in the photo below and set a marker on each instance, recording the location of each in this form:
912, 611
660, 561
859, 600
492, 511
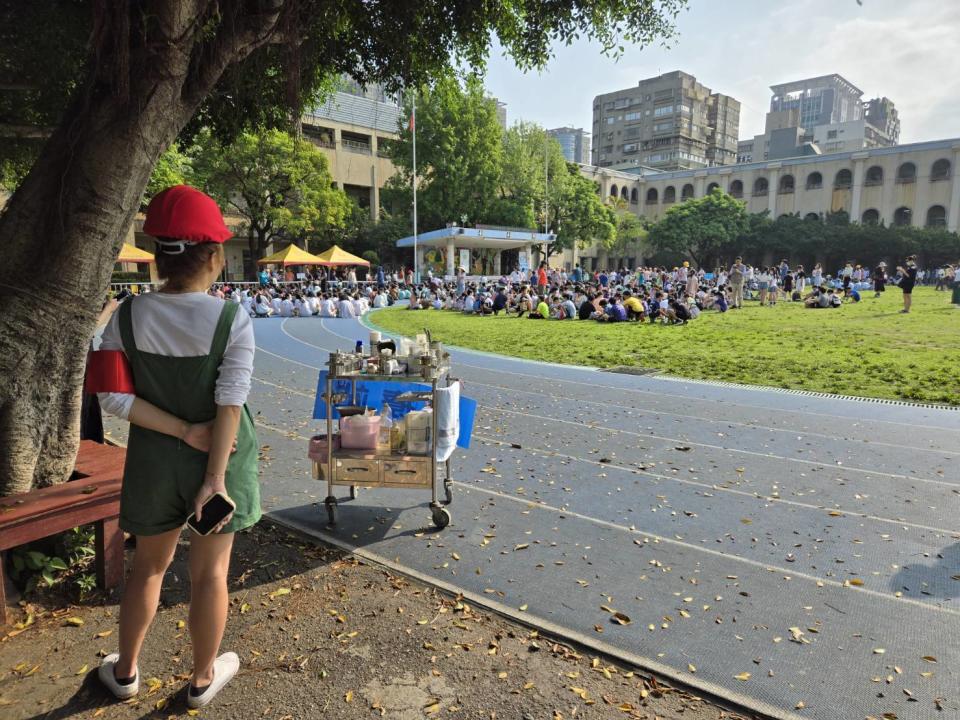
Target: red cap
184, 213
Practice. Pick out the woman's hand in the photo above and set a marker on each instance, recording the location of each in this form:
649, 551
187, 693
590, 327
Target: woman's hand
200, 435
212, 484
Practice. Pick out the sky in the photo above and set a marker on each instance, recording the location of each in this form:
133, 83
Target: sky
905, 50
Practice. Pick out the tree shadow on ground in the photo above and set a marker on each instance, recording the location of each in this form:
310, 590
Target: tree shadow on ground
938, 580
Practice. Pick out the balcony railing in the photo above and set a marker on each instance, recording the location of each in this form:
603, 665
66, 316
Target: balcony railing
906, 180
760, 193
357, 147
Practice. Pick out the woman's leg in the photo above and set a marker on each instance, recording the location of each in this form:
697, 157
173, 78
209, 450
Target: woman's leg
141, 595
907, 300
209, 564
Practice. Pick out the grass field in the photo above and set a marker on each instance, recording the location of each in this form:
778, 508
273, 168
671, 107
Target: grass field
867, 349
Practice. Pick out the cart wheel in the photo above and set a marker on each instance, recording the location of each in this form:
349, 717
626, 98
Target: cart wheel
331, 504
441, 518
448, 489
353, 492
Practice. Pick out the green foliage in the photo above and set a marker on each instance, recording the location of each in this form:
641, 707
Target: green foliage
470, 170
459, 154
882, 353
279, 184
702, 228
69, 554
174, 167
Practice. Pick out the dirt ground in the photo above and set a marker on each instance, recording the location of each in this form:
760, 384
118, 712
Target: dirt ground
322, 636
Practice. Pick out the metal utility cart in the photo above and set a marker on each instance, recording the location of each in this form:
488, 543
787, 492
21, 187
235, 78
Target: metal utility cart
382, 467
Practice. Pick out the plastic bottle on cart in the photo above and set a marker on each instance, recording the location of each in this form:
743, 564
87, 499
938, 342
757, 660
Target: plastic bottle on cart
386, 424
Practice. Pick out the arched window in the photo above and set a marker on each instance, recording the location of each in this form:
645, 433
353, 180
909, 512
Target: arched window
652, 196
614, 191
907, 173
634, 196
940, 170
844, 179
760, 186
814, 181
711, 187
870, 217
812, 217
874, 176
687, 192
669, 194
624, 193
786, 184
736, 188
937, 216
902, 216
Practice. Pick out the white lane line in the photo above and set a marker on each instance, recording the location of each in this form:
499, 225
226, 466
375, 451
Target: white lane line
685, 481
719, 488
527, 502
768, 456
542, 378
752, 453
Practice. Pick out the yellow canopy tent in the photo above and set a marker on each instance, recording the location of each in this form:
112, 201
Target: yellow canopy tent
132, 254
338, 256
291, 255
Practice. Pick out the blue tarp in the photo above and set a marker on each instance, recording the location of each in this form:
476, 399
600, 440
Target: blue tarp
374, 393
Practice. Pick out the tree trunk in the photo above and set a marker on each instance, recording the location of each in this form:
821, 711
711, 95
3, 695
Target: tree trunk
63, 228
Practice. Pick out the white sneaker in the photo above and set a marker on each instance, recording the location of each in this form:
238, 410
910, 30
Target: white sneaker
224, 668
121, 692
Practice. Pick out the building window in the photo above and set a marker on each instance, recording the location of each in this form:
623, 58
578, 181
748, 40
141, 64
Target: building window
844, 179
907, 173
669, 194
937, 216
902, 216
652, 196
624, 193
687, 192
940, 171
608, 106
611, 120
814, 181
663, 110
870, 217
874, 176
736, 189
711, 187
630, 148
831, 134
632, 116
634, 196
786, 185
614, 191
760, 187
812, 217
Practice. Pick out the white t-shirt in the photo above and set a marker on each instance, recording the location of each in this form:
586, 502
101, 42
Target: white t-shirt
328, 308
182, 325
275, 304
286, 308
346, 309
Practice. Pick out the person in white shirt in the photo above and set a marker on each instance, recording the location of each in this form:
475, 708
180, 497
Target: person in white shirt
302, 308
262, 307
357, 306
275, 304
313, 304
346, 309
380, 301
328, 307
247, 302
286, 307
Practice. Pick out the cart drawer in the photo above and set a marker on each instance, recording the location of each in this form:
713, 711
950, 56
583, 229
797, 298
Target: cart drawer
356, 472
320, 471
406, 472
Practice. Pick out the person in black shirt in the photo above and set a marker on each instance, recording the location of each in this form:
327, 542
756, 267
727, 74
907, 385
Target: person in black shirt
908, 278
499, 301
586, 308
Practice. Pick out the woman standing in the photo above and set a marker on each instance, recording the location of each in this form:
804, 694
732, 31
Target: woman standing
191, 436
816, 275
908, 278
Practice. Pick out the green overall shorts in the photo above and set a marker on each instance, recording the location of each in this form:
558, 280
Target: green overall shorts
162, 474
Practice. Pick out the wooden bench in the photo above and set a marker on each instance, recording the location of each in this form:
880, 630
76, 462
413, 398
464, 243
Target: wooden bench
92, 497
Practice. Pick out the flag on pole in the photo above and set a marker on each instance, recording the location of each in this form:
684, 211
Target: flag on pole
411, 124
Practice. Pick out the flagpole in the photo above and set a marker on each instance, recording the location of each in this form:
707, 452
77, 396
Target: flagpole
413, 127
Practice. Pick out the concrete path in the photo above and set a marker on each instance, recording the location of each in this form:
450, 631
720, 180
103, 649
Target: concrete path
796, 554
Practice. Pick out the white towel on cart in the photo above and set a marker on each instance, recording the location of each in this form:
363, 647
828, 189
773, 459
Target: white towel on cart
448, 420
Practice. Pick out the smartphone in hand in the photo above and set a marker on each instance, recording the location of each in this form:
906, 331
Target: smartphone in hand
215, 509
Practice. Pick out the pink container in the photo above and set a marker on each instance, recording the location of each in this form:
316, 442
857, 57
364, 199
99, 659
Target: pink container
359, 432
318, 447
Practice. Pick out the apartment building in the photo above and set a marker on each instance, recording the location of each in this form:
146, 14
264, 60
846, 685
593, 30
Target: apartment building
667, 122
